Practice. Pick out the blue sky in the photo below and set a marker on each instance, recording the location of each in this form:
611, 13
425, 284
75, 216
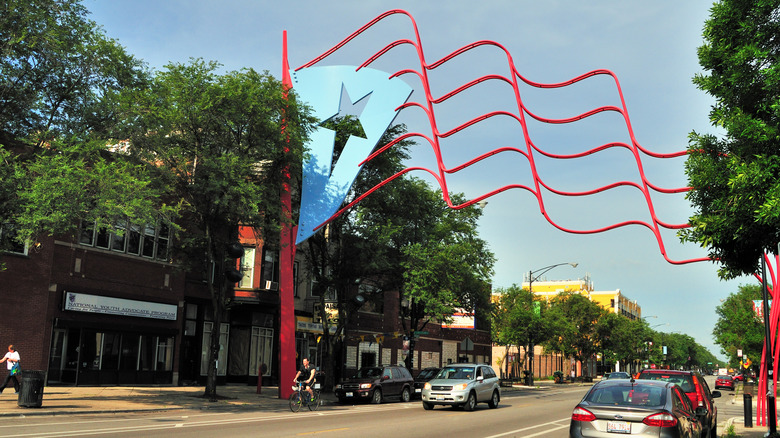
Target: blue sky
650, 46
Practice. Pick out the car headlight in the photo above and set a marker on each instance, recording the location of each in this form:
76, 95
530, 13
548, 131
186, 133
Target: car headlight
365, 385
427, 385
338, 386
460, 387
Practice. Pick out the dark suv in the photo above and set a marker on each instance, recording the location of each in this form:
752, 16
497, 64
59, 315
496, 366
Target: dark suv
376, 383
698, 392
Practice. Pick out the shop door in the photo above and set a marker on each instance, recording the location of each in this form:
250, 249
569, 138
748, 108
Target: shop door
238, 358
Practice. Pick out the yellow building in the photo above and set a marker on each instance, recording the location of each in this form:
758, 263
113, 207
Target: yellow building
614, 301
508, 359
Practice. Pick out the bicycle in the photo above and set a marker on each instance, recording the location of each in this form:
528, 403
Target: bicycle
300, 397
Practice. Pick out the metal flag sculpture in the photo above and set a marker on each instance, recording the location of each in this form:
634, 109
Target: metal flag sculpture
323, 190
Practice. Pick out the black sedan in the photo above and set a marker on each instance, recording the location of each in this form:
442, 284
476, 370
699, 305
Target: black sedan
635, 408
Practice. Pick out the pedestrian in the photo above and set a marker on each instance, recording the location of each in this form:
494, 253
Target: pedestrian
12, 359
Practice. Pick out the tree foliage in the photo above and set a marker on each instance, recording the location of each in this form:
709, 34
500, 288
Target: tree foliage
219, 144
520, 319
576, 319
737, 327
56, 69
622, 339
735, 180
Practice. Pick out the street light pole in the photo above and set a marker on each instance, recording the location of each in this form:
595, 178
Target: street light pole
532, 345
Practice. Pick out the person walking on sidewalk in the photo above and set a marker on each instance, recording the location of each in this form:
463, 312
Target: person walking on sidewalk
12, 359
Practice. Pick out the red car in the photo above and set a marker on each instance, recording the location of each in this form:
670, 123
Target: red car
694, 386
724, 382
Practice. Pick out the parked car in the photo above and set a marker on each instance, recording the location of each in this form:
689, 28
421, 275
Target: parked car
698, 392
636, 408
724, 382
376, 384
618, 375
462, 385
425, 375
739, 377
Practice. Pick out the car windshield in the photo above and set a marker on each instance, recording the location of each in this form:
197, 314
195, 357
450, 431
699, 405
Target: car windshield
637, 395
456, 373
427, 374
368, 372
683, 380
618, 375
725, 378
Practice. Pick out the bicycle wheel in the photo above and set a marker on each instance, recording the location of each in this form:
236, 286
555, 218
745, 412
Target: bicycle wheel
295, 402
315, 404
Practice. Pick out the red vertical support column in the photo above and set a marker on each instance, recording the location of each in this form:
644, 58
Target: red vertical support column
287, 363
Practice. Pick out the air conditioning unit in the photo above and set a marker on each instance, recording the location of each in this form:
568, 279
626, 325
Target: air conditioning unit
271, 285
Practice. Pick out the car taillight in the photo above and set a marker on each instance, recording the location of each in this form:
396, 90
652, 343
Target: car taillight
580, 414
661, 419
699, 397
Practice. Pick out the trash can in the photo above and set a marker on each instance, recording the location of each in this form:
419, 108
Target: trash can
31, 391
526, 378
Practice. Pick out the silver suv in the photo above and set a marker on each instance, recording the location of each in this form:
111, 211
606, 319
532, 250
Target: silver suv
462, 385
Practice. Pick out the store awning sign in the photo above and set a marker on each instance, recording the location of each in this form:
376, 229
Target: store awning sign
117, 306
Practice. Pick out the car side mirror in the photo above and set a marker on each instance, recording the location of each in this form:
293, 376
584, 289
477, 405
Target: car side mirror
715, 394
701, 411
480, 378
385, 377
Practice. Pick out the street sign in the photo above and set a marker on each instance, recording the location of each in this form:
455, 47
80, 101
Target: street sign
421, 332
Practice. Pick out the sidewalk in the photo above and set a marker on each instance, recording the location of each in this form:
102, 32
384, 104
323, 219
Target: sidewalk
736, 398
73, 400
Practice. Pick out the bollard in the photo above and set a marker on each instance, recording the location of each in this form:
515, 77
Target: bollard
259, 380
747, 401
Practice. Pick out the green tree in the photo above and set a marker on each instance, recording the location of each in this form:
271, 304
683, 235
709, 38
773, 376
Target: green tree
520, 319
350, 254
737, 327
735, 179
448, 267
575, 320
219, 143
621, 338
56, 67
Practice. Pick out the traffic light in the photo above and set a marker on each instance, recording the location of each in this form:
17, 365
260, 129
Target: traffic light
233, 252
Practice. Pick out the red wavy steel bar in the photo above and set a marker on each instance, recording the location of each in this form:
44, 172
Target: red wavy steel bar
441, 172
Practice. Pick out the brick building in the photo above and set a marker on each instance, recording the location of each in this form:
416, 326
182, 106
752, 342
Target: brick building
102, 309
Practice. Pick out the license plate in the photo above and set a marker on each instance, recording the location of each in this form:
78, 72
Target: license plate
418, 390
349, 394
619, 426
441, 397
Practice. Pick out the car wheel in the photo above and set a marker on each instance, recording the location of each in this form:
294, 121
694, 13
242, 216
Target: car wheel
406, 395
376, 396
427, 406
471, 402
493, 403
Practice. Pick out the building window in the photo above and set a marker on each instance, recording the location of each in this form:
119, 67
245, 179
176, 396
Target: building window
247, 268
223, 347
270, 270
261, 351
147, 241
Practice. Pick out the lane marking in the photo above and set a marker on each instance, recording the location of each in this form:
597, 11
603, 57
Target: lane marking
323, 431
551, 423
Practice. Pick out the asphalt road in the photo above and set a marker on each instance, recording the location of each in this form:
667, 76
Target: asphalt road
543, 413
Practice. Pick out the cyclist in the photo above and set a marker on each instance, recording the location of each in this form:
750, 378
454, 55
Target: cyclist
305, 375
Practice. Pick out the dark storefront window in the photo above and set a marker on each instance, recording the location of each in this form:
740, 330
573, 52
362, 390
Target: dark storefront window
110, 357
